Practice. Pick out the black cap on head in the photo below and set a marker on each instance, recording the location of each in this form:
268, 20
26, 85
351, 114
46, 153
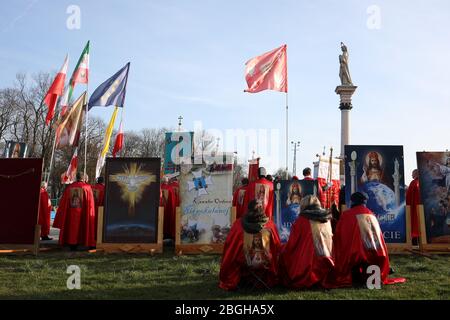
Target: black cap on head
358, 198
100, 180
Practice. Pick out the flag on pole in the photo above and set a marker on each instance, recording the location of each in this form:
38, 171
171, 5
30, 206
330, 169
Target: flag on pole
55, 90
69, 126
107, 139
81, 72
253, 167
118, 145
70, 175
112, 91
267, 71
64, 103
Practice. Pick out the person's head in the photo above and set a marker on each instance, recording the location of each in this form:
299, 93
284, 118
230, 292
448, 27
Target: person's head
307, 172
269, 177
310, 202
262, 172
415, 174
79, 177
358, 198
374, 162
244, 181
100, 180
255, 212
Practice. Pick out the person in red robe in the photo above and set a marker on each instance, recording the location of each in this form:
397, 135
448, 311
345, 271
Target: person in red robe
306, 259
75, 216
413, 200
176, 190
261, 190
239, 197
168, 201
250, 253
358, 244
45, 209
98, 190
307, 174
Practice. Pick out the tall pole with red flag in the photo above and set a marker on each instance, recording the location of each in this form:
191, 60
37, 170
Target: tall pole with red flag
269, 72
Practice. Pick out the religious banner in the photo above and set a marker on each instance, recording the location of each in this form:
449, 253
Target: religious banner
287, 197
15, 149
378, 172
434, 180
206, 203
20, 181
328, 181
179, 148
131, 200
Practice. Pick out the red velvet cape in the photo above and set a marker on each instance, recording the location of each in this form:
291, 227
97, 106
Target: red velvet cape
45, 209
413, 200
251, 194
234, 267
168, 201
76, 224
239, 201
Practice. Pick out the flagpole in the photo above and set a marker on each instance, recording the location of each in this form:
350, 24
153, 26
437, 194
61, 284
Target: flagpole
287, 137
86, 129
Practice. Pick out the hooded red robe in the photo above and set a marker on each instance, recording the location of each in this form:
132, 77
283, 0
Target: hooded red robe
168, 201
76, 216
235, 259
413, 200
45, 208
99, 198
238, 201
260, 190
358, 243
306, 259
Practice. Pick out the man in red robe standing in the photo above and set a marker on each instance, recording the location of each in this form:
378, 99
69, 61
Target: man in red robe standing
261, 190
76, 216
176, 190
307, 260
168, 201
250, 254
358, 244
413, 200
45, 209
239, 197
98, 190
307, 174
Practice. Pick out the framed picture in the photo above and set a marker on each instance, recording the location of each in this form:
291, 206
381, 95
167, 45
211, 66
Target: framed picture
20, 179
14, 149
434, 181
131, 214
205, 215
287, 197
378, 171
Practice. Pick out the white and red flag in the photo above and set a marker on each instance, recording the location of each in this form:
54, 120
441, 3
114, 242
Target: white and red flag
118, 145
55, 90
267, 71
70, 175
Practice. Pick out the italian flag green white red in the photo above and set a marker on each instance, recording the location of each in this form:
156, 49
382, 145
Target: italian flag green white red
81, 72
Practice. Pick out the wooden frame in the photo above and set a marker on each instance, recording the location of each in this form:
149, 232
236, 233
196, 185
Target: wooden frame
197, 248
423, 244
130, 247
19, 248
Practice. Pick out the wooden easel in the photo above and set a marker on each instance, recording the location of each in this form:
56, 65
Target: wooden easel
150, 248
23, 248
213, 248
423, 244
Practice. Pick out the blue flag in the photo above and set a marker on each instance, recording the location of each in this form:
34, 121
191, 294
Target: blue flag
112, 91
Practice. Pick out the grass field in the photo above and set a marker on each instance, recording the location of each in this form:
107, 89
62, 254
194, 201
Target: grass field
166, 276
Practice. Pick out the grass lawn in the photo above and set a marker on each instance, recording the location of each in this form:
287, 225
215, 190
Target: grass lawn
129, 276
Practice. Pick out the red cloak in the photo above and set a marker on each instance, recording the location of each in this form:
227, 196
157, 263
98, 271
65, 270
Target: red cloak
413, 200
327, 197
99, 198
261, 190
238, 201
45, 208
238, 255
168, 201
76, 216
358, 243
176, 190
306, 259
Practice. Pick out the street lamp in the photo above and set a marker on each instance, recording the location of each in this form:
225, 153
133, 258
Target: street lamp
294, 165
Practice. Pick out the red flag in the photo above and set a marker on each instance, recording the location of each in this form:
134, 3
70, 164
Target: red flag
56, 89
268, 71
253, 167
70, 175
118, 145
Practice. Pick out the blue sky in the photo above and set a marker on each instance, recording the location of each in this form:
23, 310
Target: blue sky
187, 58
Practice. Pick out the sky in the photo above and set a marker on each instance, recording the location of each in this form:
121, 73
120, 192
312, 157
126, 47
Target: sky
187, 58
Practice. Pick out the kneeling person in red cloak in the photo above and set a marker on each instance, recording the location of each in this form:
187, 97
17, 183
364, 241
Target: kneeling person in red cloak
250, 254
306, 260
76, 216
358, 244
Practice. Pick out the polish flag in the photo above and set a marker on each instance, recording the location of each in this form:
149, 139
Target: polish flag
70, 175
119, 141
267, 71
56, 89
